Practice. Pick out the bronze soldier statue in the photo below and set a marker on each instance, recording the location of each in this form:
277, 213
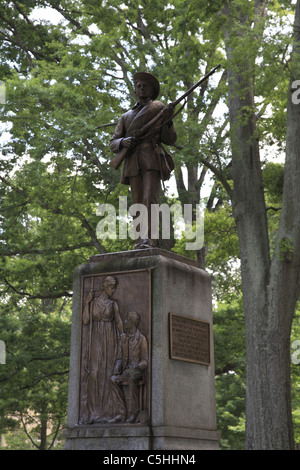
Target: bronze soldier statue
137, 140
144, 164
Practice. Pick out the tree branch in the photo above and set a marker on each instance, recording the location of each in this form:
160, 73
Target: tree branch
69, 18
84, 222
50, 374
27, 433
107, 125
224, 370
32, 297
21, 11
55, 435
20, 368
219, 175
46, 250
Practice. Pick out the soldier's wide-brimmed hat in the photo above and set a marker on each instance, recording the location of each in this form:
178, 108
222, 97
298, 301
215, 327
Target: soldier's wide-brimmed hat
149, 78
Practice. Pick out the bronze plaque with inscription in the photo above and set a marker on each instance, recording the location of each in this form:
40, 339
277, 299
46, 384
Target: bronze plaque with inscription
189, 339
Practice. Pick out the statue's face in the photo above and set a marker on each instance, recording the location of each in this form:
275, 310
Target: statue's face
143, 90
130, 321
110, 287
127, 323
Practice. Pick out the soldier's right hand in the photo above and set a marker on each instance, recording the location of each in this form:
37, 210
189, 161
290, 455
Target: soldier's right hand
129, 142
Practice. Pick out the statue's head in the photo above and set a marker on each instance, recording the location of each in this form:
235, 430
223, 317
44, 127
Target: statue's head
109, 285
148, 78
132, 319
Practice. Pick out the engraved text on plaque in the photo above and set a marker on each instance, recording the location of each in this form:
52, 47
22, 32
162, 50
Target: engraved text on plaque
189, 339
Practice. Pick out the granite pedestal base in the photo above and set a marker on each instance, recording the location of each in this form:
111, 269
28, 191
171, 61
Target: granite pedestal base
179, 395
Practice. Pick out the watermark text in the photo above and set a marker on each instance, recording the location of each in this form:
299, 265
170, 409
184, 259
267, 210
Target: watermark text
136, 222
2, 92
296, 93
2, 352
296, 353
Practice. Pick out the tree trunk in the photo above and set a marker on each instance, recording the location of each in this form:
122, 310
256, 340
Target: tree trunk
270, 289
43, 431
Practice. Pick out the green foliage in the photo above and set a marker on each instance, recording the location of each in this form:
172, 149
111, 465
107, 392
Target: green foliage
273, 176
223, 252
229, 336
230, 398
34, 380
230, 366
295, 373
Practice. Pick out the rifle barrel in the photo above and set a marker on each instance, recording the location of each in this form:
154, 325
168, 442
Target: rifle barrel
196, 85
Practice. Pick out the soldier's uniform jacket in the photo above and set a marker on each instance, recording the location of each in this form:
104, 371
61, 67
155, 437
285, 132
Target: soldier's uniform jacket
133, 351
145, 155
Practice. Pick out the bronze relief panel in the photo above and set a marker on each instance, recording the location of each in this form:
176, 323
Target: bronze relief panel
115, 348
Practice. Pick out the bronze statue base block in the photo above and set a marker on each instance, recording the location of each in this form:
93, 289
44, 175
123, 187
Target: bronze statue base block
141, 363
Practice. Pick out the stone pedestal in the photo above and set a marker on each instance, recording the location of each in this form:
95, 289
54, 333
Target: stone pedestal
179, 395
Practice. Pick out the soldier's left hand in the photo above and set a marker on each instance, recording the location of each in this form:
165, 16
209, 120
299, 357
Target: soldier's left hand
168, 111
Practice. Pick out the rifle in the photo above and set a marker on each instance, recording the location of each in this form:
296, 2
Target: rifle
118, 159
